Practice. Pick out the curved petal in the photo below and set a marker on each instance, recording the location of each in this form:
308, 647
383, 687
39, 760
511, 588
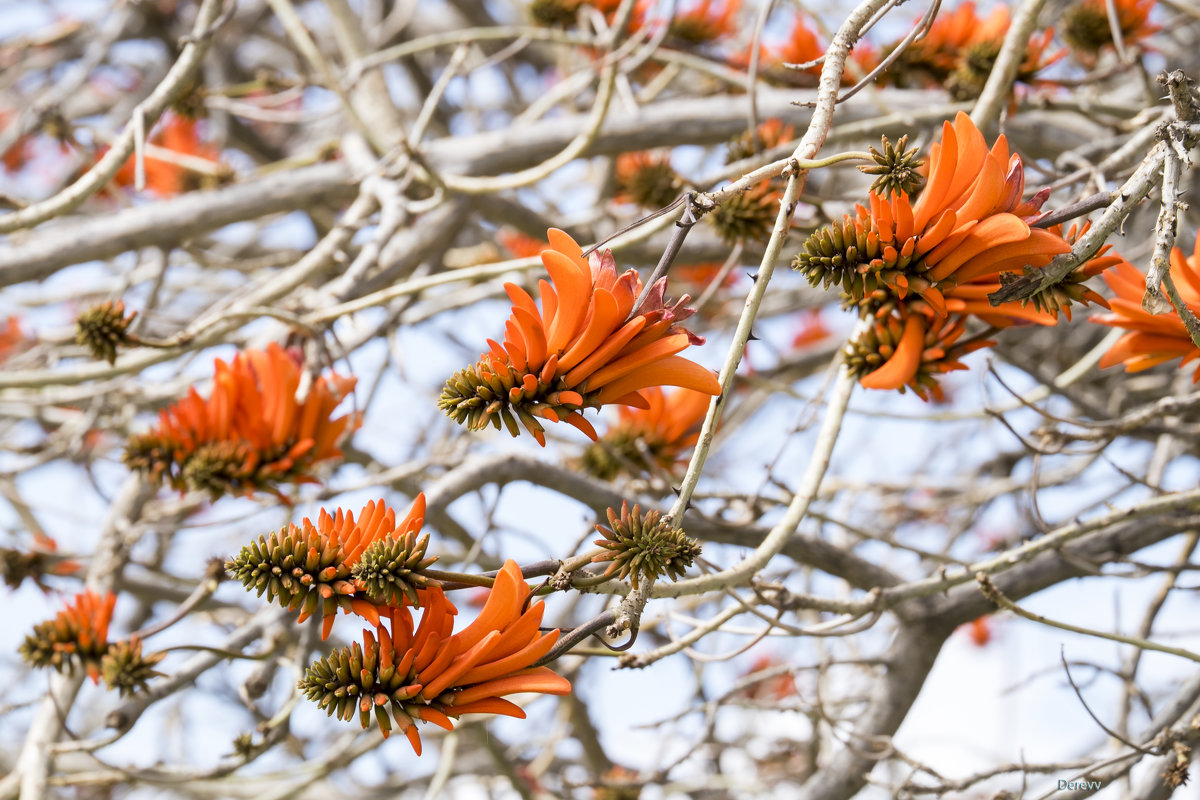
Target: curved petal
902, 366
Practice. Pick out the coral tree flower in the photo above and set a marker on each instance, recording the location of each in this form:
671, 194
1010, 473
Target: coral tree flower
647, 179
960, 50
1087, 29
586, 347
983, 48
168, 178
1152, 339
78, 635
312, 566
804, 46
658, 436
404, 673
250, 434
705, 22
923, 268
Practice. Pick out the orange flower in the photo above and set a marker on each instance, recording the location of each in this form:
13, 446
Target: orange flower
647, 179
11, 337
929, 61
518, 244
701, 275
922, 268
1152, 338
769, 134
167, 178
586, 347
960, 50
979, 57
803, 46
980, 631
1087, 29
77, 635
664, 432
428, 673
705, 21
250, 434
312, 567
778, 686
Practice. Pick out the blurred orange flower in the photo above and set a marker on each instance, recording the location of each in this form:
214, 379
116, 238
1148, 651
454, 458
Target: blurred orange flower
705, 21
769, 134
930, 60
250, 434
665, 432
1152, 338
647, 179
960, 50
428, 673
586, 347
78, 635
168, 178
779, 686
810, 329
1087, 29
11, 336
980, 631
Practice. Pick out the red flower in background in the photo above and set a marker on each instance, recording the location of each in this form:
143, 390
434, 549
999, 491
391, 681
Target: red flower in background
77, 636
11, 336
405, 673
1086, 27
772, 689
980, 631
922, 268
168, 178
804, 45
1152, 339
519, 245
658, 436
312, 567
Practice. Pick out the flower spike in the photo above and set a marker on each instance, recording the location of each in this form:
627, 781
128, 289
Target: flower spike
401, 675
586, 347
250, 434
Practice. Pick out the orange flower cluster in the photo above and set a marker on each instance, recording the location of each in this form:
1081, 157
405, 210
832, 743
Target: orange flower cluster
167, 178
404, 673
960, 50
77, 635
519, 244
36, 563
1152, 339
313, 567
1087, 29
658, 436
804, 45
250, 434
647, 179
586, 347
922, 269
